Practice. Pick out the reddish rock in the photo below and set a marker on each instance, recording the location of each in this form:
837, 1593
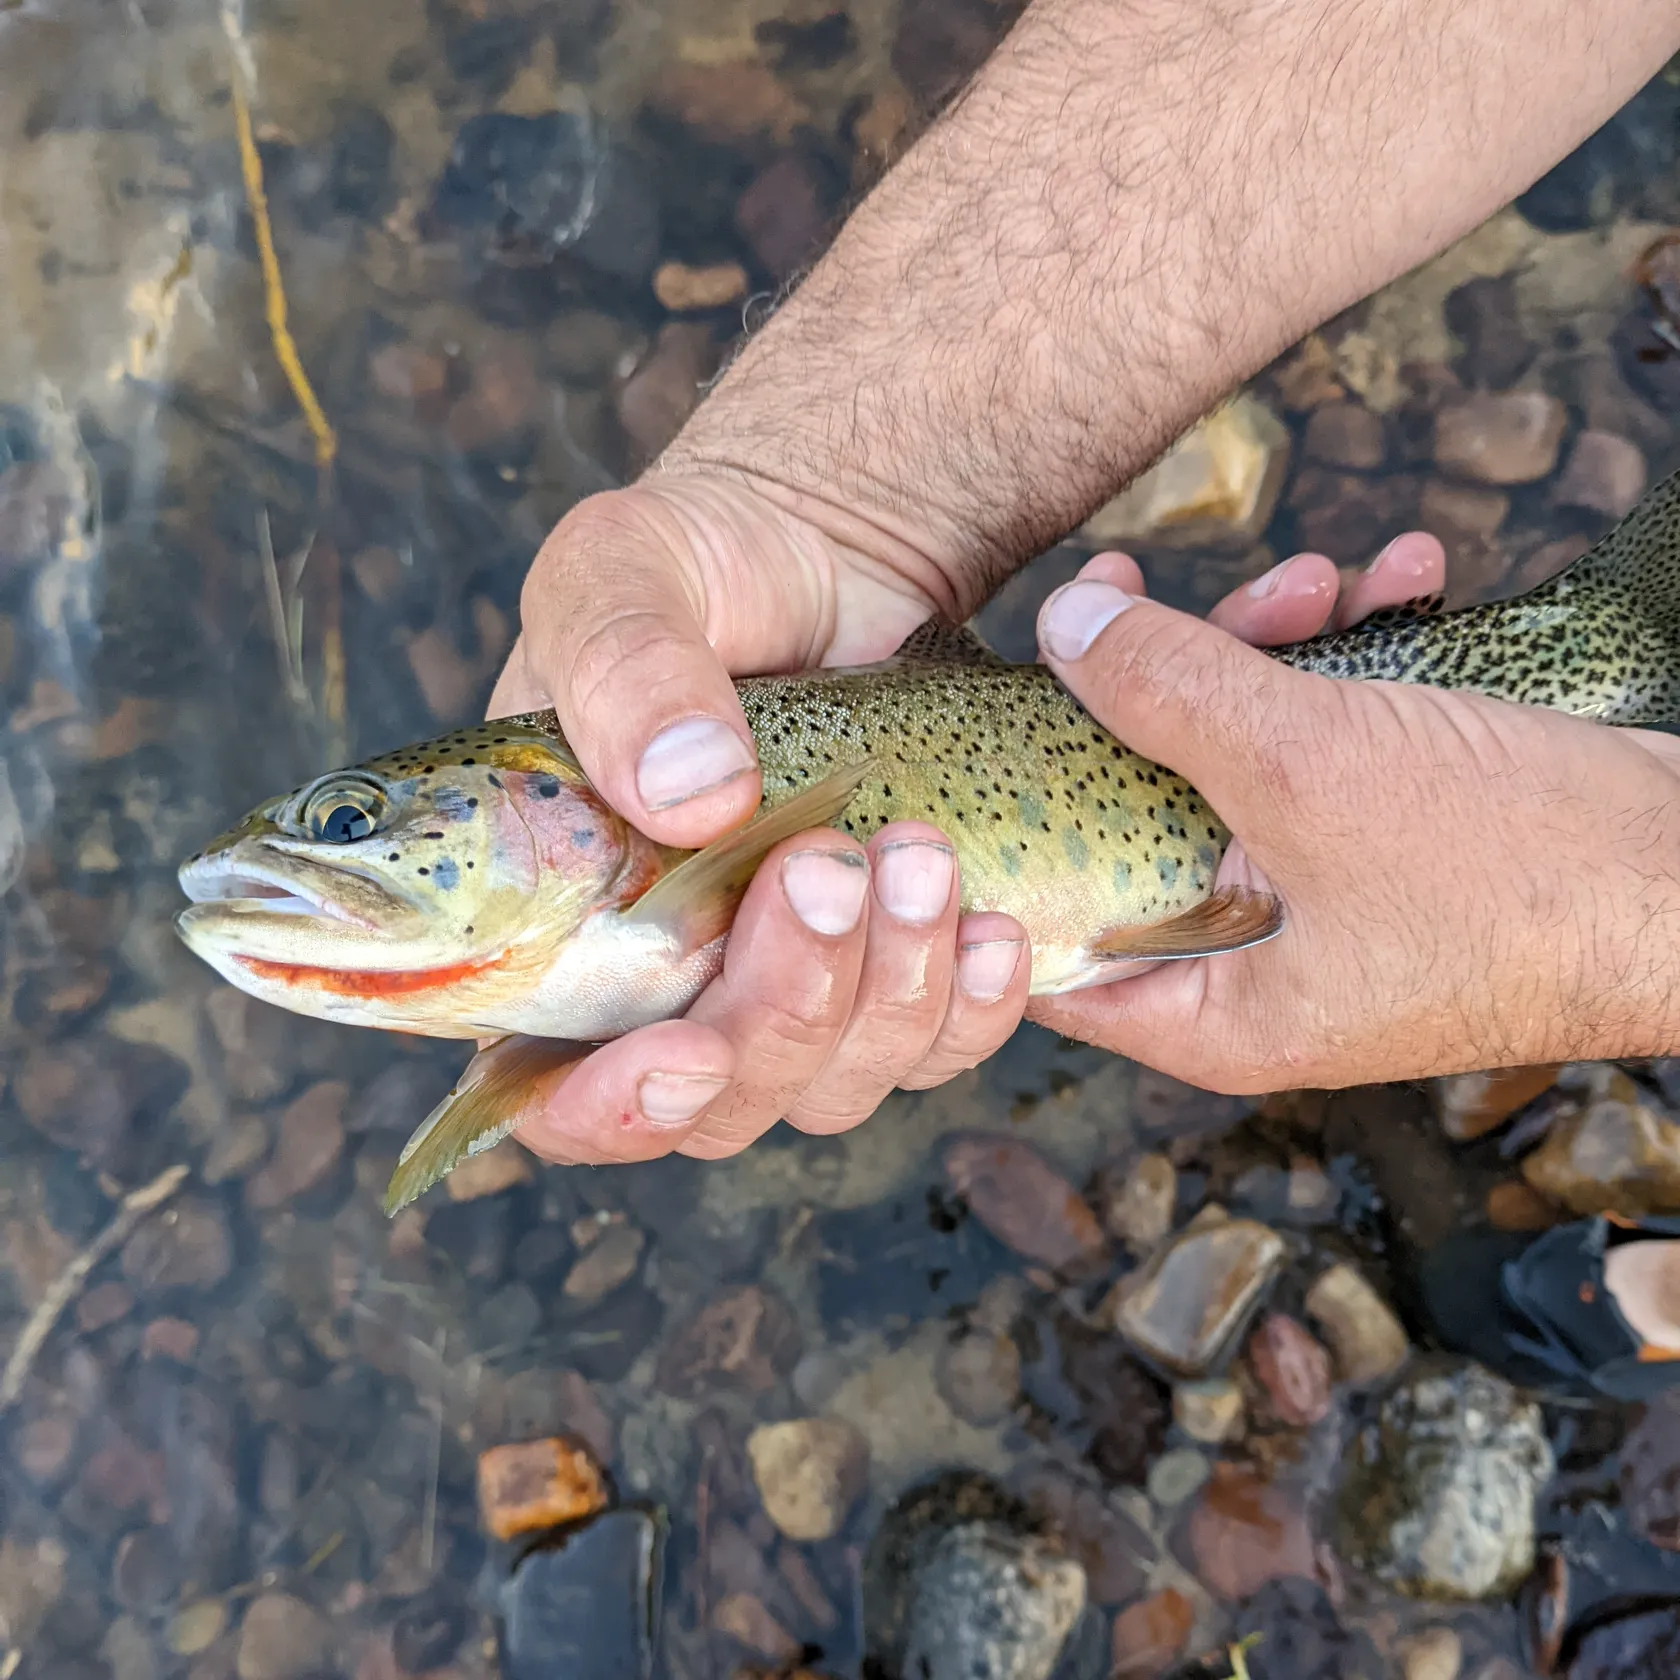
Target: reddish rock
783, 217
498, 405
310, 1142
941, 43
1347, 435
1293, 1368
1245, 1532
747, 1621
170, 1338
665, 389
744, 1340
379, 572
526, 1486
738, 99
1150, 1636
1025, 1203
104, 1304
1605, 475
1506, 437
44, 1446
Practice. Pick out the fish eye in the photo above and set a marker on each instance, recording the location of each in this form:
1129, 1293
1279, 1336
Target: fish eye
342, 811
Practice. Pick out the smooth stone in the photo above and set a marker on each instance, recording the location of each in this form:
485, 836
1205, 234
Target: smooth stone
1365, 1336
1194, 1295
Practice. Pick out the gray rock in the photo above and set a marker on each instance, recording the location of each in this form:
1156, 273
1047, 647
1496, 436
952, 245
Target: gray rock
1438, 1497
992, 1605
961, 1582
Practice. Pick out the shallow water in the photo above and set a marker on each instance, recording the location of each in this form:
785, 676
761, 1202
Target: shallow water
269, 1390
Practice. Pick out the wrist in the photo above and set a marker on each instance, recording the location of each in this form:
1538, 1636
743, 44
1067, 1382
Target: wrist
1134, 207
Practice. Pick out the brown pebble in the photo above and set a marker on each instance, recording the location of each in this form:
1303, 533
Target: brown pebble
1470, 1105
1504, 437
1346, 434
1513, 1206
1150, 1635
746, 1339
525, 1486
665, 389
1025, 1203
1245, 1532
1605, 474
447, 681
747, 1621
170, 1338
104, 1304
782, 217
738, 99
499, 403
680, 288
310, 1142
882, 131
489, 1173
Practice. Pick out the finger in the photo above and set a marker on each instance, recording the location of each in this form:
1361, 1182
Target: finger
612, 632
635, 1099
1294, 600
789, 978
1412, 566
905, 982
1185, 693
989, 987
1119, 569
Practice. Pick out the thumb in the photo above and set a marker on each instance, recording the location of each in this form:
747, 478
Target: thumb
613, 633
1178, 690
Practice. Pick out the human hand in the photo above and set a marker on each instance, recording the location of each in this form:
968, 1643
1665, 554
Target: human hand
817, 1025
1468, 884
849, 971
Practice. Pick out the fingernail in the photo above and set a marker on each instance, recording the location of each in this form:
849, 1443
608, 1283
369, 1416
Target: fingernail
984, 971
913, 879
1381, 555
688, 759
673, 1099
1076, 615
826, 889
1267, 582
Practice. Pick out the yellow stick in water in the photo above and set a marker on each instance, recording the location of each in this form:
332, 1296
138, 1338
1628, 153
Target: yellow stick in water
274, 291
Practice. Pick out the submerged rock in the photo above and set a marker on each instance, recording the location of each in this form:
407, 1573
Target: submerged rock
960, 1583
585, 1606
1025, 1203
809, 1472
1438, 1497
1217, 486
1193, 1298
1246, 1531
1618, 1154
1363, 1332
994, 1604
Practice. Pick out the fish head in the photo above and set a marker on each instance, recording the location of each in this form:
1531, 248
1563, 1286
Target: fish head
423, 891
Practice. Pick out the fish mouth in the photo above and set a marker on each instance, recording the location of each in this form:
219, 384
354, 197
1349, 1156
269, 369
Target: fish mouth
247, 885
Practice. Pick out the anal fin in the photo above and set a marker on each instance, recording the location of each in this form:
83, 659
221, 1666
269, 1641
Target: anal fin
1231, 919
490, 1098
697, 901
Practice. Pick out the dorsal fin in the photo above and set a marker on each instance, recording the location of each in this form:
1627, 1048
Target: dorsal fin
939, 642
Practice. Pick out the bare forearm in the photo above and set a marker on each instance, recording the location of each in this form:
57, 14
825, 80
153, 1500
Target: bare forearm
1135, 206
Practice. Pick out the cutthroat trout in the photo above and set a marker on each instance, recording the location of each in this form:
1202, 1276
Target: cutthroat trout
476, 885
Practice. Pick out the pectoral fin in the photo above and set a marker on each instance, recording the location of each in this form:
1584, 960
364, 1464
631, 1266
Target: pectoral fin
1231, 920
697, 901
489, 1100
